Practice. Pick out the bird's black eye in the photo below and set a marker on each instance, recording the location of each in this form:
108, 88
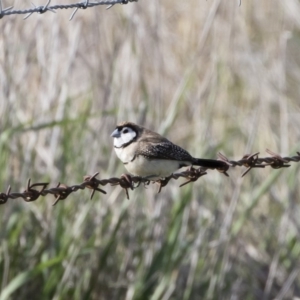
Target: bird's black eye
125, 130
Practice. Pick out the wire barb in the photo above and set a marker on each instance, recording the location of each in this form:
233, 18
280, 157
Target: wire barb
278, 162
92, 183
5, 196
193, 175
3, 12
31, 194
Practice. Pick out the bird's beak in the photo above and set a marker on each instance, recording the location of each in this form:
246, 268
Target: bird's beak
115, 133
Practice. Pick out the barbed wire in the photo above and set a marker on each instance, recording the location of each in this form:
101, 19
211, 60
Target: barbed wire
44, 8
126, 181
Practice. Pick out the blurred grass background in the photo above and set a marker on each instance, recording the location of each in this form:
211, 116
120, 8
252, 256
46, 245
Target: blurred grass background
211, 76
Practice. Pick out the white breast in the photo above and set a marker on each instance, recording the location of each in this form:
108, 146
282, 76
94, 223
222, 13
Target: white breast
158, 168
124, 154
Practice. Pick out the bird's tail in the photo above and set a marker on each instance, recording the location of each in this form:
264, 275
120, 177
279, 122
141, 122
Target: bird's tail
209, 163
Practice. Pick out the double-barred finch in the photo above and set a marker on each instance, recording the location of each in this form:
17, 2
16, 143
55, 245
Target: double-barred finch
146, 153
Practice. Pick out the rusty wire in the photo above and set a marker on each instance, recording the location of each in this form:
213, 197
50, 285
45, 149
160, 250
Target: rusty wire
126, 181
47, 7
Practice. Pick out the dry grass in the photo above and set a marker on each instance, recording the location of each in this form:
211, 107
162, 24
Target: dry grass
210, 75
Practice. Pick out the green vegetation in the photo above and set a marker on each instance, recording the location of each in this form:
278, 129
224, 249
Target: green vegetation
212, 76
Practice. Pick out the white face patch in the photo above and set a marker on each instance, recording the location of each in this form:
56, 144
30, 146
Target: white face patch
123, 136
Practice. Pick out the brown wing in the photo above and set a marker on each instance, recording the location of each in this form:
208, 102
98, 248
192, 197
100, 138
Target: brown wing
161, 148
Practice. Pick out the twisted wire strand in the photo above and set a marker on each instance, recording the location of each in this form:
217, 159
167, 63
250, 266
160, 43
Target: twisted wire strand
126, 181
44, 8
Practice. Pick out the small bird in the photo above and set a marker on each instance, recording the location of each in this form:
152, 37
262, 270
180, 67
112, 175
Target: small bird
147, 154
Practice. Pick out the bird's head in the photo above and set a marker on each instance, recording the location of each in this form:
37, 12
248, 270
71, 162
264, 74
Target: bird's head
125, 133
